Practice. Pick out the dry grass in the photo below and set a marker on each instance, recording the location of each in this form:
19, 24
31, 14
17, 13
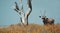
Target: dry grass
31, 28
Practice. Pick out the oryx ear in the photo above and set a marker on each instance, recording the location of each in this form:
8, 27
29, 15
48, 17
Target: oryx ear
39, 16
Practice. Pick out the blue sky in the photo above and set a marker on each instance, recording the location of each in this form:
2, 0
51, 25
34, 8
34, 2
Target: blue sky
8, 16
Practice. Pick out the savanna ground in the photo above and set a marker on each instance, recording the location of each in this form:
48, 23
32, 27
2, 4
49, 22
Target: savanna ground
31, 28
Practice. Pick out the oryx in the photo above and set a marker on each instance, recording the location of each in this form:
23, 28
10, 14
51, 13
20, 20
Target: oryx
46, 20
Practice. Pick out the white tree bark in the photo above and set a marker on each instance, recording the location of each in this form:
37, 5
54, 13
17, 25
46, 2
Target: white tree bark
24, 17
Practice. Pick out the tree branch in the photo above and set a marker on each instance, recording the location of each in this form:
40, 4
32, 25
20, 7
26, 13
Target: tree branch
29, 8
16, 6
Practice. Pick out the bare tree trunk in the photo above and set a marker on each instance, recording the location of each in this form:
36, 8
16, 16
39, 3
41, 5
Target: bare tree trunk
24, 17
29, 10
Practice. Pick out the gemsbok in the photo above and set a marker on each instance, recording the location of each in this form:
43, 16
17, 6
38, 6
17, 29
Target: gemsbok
46, 20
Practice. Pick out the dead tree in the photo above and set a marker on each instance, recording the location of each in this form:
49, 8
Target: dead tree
46, 20
23, 16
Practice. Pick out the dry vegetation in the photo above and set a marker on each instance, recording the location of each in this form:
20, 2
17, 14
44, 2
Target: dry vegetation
31, 28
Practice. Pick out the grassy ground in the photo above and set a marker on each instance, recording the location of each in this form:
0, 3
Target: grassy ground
31, 28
